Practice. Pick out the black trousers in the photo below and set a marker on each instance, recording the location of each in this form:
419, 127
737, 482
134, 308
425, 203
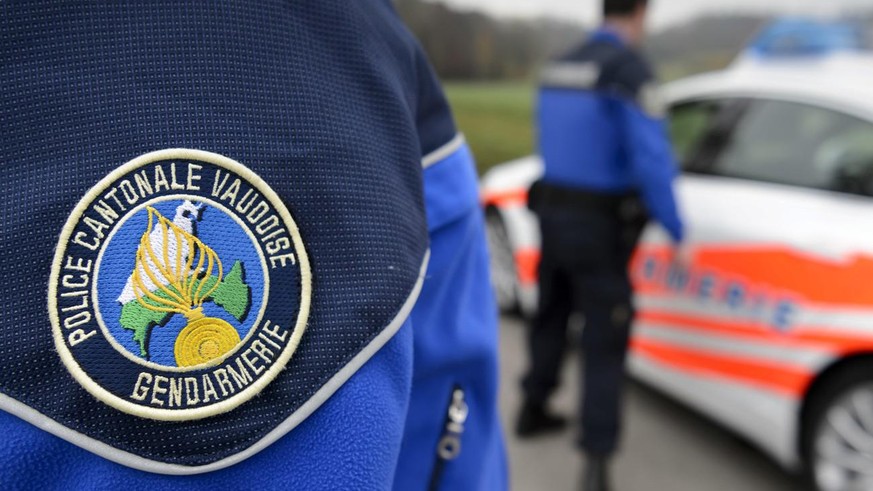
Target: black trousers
585, 256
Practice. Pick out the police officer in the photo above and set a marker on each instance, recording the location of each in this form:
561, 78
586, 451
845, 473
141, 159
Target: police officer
254, 254
608, 165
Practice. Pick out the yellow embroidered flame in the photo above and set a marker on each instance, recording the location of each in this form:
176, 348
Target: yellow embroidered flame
166, 279
172, 269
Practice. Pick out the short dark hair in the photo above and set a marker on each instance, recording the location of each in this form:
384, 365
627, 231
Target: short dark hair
621, 7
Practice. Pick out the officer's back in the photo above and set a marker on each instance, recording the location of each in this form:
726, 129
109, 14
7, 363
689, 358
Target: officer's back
601, 126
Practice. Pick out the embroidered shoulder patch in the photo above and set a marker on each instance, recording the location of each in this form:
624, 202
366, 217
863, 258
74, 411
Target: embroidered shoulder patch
180, 286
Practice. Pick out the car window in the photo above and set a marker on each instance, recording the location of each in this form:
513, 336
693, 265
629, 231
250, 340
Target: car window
689, 124
799, 145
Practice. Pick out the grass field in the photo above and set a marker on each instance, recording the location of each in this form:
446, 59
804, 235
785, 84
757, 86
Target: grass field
496, 118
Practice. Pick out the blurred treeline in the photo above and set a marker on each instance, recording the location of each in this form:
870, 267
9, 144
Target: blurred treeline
703, 44
474, 46
465, 45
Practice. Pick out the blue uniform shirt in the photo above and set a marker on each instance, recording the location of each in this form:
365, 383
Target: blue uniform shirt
601, 130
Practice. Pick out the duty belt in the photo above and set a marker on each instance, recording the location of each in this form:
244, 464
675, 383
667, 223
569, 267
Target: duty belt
625, 206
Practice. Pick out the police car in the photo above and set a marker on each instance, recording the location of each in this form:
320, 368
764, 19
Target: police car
769, 329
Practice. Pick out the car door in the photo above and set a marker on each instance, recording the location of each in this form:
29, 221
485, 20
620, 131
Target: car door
775, 196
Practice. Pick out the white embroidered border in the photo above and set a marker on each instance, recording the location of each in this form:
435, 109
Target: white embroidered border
296, 334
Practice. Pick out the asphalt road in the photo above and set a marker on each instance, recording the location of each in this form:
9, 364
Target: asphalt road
666, 447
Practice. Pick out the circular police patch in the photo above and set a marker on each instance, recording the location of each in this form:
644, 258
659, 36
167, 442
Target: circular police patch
180, 286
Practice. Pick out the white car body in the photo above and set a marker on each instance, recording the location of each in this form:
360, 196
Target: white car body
802, 258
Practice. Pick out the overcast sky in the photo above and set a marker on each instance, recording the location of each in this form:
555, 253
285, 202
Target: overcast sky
665, 12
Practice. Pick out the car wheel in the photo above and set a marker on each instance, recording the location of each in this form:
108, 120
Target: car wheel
839, 432
504, 278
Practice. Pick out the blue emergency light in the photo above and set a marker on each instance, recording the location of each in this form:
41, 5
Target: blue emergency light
806, 37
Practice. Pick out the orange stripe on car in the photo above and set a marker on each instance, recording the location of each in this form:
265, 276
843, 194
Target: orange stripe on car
786, 380
738, 329
779, 268
527, 262
841, 343
505, 198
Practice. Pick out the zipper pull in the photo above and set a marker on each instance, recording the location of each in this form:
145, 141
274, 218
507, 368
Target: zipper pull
450, 444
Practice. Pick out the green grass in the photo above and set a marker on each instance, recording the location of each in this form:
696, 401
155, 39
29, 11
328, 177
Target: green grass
496, 118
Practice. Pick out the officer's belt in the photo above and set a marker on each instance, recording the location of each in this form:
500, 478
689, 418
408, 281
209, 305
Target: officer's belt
543, 195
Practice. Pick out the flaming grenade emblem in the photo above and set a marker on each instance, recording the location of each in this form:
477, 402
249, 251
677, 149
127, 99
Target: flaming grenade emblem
175, 273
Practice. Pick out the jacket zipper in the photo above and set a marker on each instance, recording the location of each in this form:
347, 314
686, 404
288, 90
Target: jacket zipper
449, 446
